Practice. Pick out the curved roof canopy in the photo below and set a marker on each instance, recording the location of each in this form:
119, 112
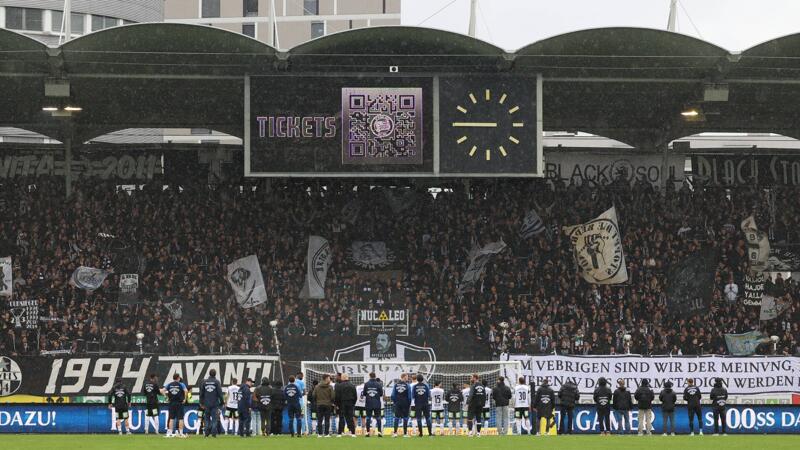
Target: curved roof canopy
411, 49
629, 84
775, 59
621, 52
168, 48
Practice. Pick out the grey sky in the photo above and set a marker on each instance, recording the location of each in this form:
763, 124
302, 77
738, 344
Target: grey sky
732, 24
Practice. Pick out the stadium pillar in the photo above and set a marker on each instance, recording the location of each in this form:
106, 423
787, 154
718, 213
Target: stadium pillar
664, 147
673, 15
68, 165
473, 15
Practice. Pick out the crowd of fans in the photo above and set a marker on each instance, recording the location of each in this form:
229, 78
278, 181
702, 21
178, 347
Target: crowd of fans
179, 238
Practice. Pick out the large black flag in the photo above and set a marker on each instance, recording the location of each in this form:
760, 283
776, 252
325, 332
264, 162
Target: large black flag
690, 283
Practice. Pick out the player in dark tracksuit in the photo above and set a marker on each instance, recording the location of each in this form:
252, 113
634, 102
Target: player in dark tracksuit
401, 397
545, 402
120, 400
692, 396
719, 399
151, 390
211, 400
422, 404
454, 400
477, 398
373, 393
293, 396
602, 400
245, 402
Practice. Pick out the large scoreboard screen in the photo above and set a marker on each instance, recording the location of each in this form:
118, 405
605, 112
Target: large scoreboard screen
369, 126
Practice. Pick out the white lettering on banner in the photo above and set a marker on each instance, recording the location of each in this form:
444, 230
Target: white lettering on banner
97, 375
28, 418
741, 376
125, 167
387, 315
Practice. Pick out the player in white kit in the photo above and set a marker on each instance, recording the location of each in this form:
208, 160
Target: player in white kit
522, 404
437, 406
232, 407
465, 406
360, 409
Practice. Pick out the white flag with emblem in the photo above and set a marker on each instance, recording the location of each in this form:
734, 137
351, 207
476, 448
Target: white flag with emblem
7, 282
247, 283
317, 262
597, 246
88, 278
757, 245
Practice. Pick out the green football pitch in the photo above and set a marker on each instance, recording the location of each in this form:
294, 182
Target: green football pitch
138, 442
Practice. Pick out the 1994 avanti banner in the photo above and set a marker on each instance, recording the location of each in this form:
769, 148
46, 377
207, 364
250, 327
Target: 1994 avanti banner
747, 375
73, 375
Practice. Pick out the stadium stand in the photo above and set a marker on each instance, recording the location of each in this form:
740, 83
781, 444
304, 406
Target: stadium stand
183, 237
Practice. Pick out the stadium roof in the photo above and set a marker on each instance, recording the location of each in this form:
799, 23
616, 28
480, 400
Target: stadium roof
629, 84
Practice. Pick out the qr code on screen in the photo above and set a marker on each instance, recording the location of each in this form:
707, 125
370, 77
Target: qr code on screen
382, 125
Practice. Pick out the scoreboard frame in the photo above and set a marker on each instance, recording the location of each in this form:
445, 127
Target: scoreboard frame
433, 146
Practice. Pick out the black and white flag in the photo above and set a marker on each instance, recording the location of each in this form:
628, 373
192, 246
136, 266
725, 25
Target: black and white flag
531, 225
88, 278
478, 257
25, 312
772, 307
400, 200
7, 281
757, 245
598, 249
317, 261
247, 282
350, 211
128, 289
690, 283
370, 255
